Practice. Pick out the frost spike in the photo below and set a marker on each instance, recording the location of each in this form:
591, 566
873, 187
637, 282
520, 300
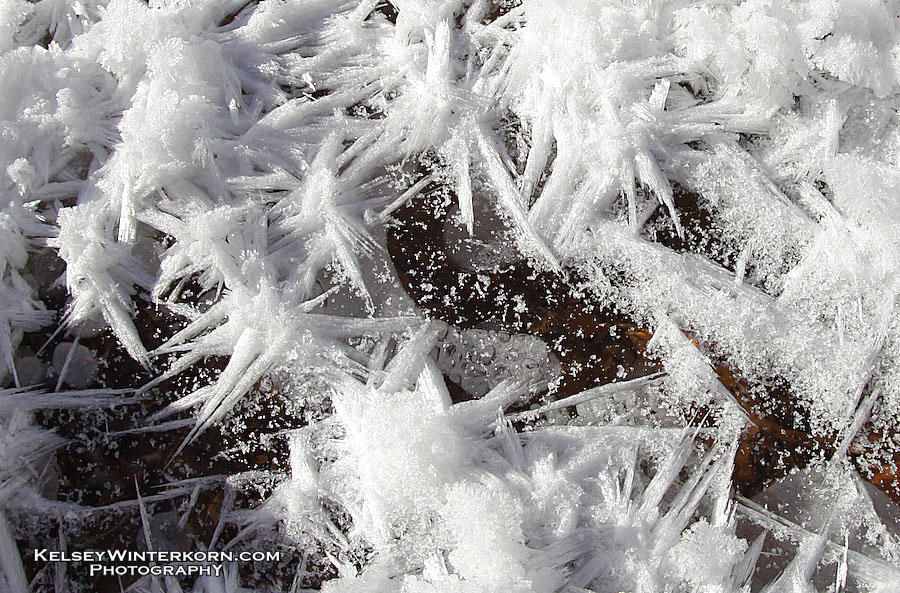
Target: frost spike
511, 200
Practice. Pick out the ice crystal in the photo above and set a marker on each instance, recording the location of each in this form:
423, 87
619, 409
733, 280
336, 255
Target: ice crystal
222, 181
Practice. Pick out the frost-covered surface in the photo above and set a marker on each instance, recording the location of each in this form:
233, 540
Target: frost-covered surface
232, 166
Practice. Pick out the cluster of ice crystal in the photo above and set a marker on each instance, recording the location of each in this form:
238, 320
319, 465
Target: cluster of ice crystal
725, 172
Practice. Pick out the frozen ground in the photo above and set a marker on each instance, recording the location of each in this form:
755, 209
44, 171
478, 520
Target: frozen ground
204, 342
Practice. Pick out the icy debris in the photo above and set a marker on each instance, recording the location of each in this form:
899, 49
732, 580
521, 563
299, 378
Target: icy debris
704, 553
755, 54
488, 542
12, 14
101, 274
403, 449
516, 521
855, 42
863, 189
